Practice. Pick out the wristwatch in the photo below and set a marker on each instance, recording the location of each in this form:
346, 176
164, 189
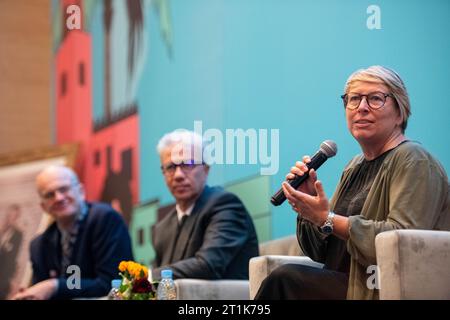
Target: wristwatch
327, 226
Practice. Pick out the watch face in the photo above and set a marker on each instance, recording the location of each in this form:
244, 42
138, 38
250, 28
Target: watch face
327, 229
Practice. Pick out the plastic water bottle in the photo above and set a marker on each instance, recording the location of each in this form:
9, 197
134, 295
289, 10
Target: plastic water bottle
166, 287
114, 294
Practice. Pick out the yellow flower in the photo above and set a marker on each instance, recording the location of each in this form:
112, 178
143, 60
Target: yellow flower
134, 270
123, 266
145, 271
135, 285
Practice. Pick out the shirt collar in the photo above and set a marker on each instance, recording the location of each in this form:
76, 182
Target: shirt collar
181, 213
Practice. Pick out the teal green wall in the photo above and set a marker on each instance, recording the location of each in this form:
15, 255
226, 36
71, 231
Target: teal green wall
144, 217
283, 64
253, 192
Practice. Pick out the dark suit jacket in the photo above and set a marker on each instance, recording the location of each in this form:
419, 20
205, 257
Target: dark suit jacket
102, 242
215, 242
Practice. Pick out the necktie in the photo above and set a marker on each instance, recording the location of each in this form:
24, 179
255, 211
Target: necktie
182, 220
175, 242
67, 241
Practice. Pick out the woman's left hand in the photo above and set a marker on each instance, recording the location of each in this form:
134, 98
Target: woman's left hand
312, 208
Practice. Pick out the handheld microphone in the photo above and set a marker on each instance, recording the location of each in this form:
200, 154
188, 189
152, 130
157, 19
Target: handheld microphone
327, 150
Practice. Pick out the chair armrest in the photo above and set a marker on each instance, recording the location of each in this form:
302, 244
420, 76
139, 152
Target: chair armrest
260, 267
200, 289
287, 246
413, 264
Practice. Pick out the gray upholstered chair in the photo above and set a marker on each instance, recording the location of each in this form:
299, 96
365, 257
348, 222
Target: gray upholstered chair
260, 267
199, 289
273, 254
413, 264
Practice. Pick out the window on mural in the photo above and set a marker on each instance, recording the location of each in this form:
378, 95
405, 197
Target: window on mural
81, 73
140, 236
63, 84
97, 158
150, 233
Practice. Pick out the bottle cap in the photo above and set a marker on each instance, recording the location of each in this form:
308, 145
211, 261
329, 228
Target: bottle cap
166, 273
116, 283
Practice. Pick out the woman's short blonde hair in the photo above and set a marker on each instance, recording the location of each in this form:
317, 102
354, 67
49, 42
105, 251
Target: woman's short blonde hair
390, 78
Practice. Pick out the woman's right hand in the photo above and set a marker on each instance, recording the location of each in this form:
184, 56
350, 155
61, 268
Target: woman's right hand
299, 170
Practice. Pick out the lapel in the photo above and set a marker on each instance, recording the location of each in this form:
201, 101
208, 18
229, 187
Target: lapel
83, 224
188, 226
53, 245
166, 232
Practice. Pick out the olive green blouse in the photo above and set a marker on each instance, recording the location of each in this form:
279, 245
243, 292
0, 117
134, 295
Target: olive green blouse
410, 191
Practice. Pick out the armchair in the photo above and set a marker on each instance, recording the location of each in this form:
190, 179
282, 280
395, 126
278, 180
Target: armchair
413, 264
273, 253
199, 289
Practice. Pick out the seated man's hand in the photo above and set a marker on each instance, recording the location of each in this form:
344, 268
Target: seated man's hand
40, 291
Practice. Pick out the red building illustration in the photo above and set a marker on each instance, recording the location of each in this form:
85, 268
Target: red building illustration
109, 149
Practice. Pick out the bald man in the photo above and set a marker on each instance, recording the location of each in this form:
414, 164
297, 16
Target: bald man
89, 236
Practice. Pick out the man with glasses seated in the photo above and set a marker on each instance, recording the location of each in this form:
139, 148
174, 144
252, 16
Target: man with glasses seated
90, 236
209, 234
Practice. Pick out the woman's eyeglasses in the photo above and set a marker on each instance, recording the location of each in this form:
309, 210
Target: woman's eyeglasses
375, 100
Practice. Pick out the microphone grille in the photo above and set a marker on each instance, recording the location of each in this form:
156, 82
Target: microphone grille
329, 148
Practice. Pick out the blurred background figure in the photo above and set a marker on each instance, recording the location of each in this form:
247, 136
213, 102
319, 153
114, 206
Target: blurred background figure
11, 237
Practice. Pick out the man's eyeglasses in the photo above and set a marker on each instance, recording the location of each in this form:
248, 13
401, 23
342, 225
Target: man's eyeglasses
375, 100
170, 168
50, 195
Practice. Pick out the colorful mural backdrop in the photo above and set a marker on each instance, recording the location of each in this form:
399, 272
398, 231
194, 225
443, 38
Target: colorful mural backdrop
137, 69
97, 68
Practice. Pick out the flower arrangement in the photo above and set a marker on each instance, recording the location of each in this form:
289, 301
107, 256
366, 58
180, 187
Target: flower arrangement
135, 284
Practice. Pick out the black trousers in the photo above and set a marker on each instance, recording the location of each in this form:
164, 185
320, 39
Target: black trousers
300, 282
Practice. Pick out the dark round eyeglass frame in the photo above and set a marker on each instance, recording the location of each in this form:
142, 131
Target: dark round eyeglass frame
385, 95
